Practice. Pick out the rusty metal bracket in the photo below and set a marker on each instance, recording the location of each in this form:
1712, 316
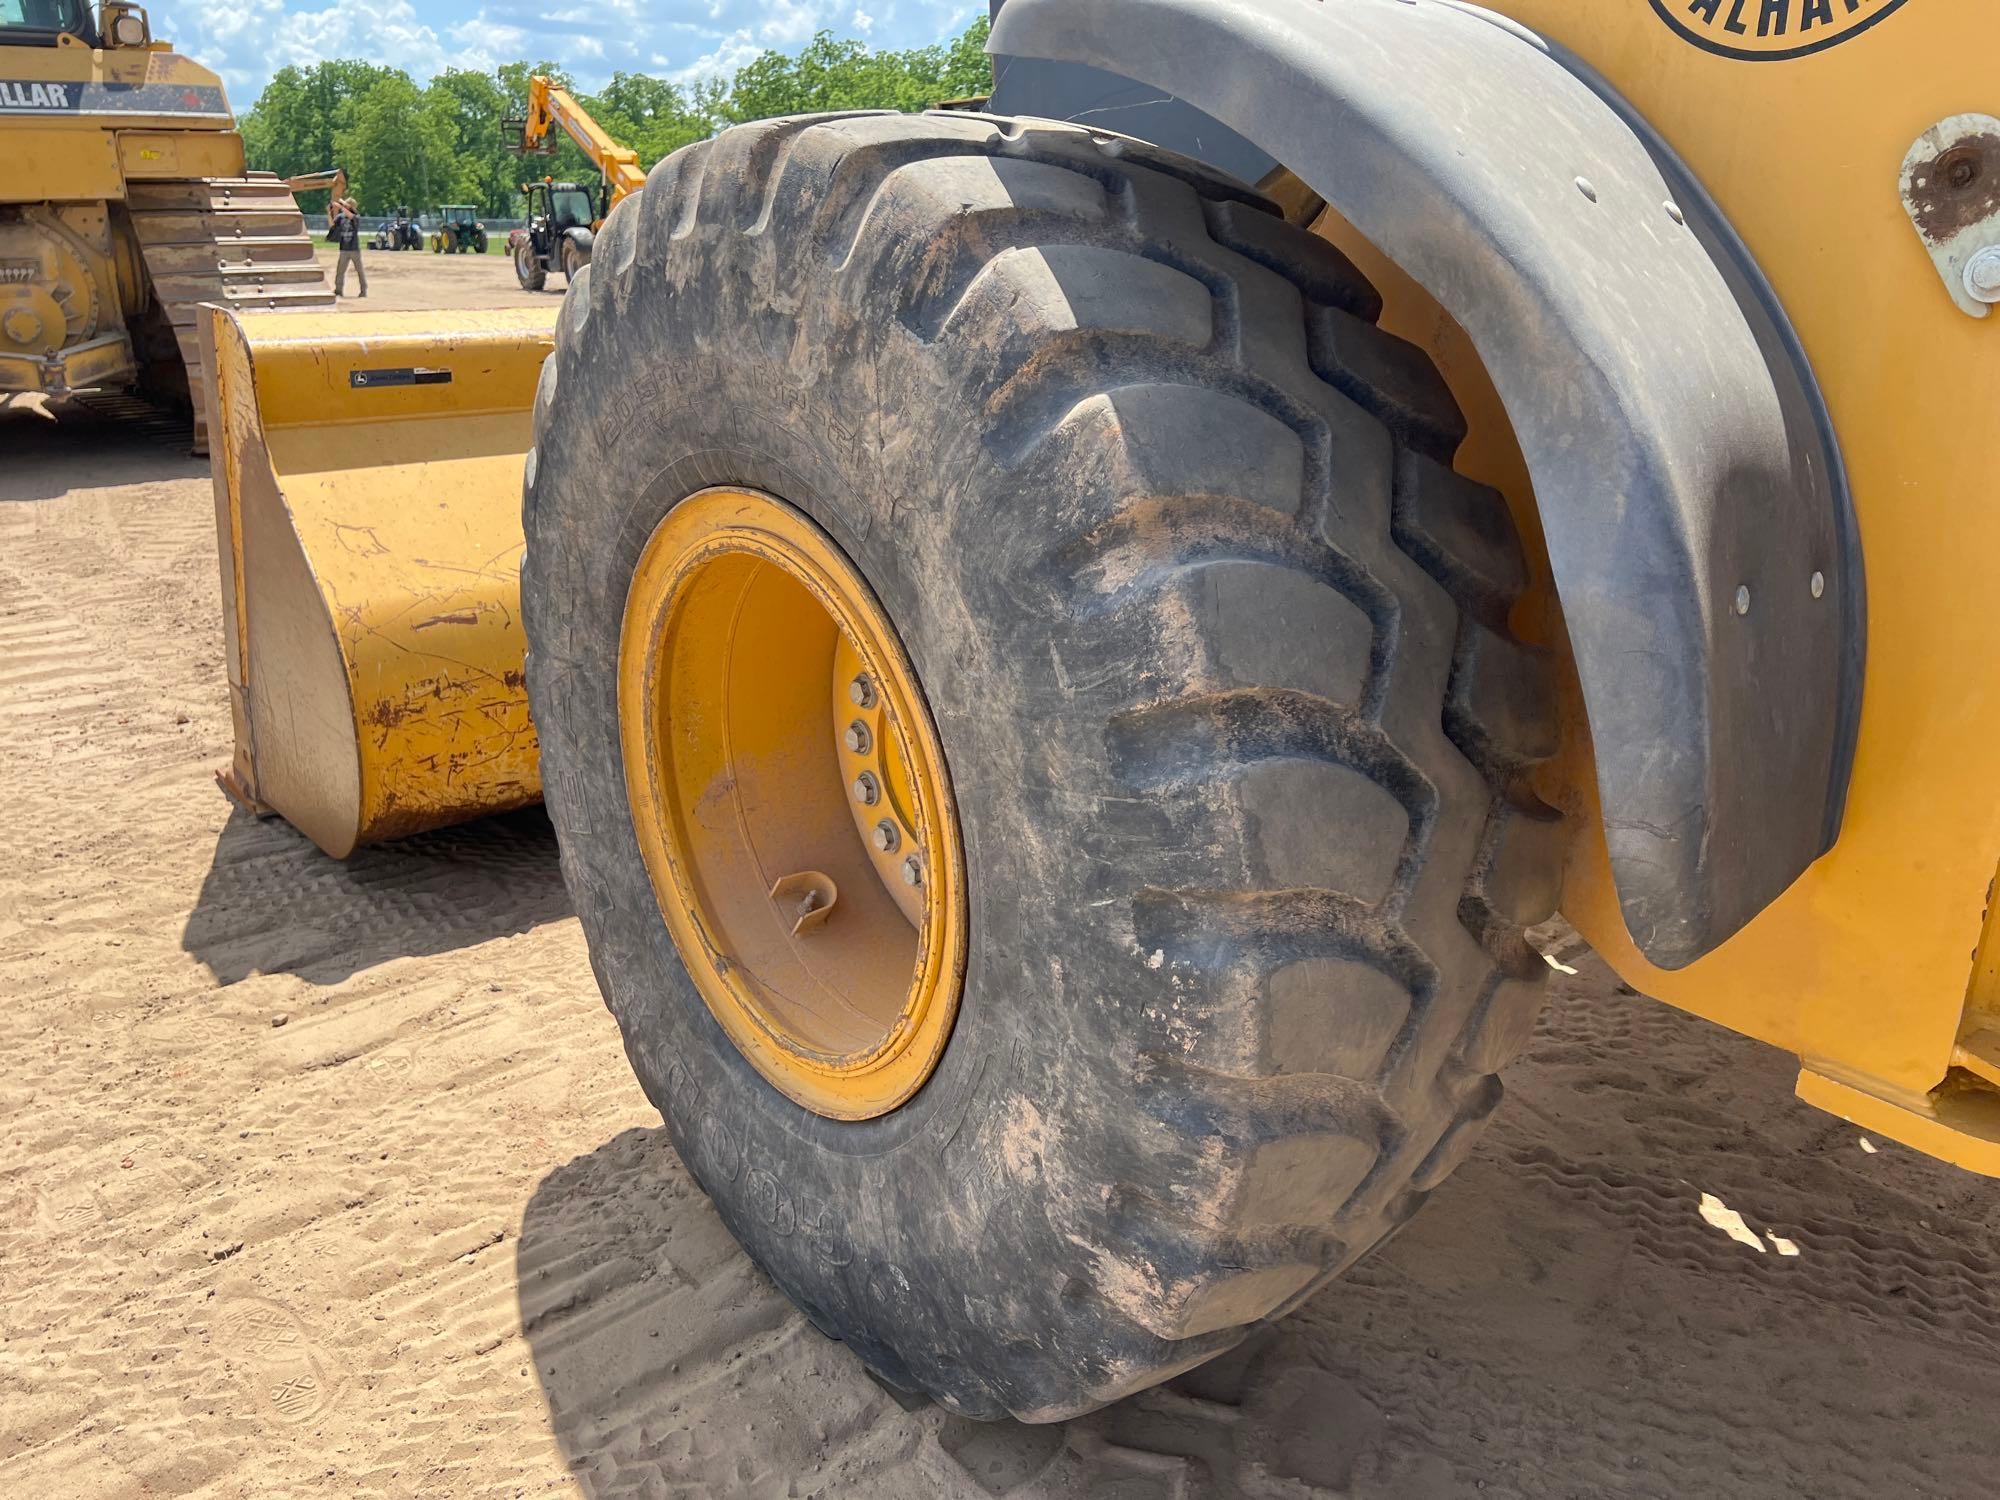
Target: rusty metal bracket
1951, 190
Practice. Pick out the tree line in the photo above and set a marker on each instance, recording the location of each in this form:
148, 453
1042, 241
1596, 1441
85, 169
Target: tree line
445, 143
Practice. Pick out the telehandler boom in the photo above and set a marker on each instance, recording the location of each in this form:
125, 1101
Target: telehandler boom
551, 108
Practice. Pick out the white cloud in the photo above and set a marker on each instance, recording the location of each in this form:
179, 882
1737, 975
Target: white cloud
245, 41
788, 22
733, 52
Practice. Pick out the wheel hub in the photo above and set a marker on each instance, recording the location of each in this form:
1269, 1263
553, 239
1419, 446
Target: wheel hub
791, 801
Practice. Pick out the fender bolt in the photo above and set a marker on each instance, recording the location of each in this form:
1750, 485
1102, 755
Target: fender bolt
865, 789
861, 692
913, 871
1743, 598
1586, 187
1674, 212
856, 738
886, 838
1982, 275
1818, 584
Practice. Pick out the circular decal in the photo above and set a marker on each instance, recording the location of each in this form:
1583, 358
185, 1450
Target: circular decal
1771, 30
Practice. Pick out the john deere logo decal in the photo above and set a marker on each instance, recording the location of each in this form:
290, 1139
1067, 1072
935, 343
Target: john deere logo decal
1769, 30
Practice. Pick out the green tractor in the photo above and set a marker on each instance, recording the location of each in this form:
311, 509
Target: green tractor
459, 229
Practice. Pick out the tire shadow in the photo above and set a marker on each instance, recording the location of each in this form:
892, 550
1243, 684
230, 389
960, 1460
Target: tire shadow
273, 903
1560, 1321
671, 1366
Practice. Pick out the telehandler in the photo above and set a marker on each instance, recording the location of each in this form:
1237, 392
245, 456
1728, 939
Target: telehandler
124, 205
1063, 678
563, 217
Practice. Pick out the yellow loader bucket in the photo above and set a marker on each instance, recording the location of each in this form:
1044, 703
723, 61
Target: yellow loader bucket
368, 509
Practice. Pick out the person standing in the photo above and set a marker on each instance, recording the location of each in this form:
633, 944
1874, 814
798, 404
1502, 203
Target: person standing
346, 233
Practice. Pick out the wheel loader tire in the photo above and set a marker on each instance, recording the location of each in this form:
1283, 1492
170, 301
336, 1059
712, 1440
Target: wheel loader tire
1216, 646
528, 268
573, 261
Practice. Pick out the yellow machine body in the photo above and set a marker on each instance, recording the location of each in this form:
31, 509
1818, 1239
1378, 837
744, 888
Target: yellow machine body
370, 539
368, 518
124, 203
1865, 967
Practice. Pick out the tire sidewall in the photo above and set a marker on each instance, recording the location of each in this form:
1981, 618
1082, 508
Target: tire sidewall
844, 1215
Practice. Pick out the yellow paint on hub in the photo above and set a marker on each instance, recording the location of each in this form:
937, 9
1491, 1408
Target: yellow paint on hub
750, 646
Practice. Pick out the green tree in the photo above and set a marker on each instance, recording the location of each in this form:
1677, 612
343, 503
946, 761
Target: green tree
469, 108
293, 127
651, 116
447, 142
397, 148
830, 73
968, 71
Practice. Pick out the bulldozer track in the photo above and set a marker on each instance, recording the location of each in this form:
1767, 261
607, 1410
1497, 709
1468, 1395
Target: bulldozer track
141, 415
240, 241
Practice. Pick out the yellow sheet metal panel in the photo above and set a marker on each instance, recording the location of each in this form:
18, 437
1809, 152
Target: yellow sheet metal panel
1958, 1123
49, 165
371, 480
71, 86
177, 154
1861, 967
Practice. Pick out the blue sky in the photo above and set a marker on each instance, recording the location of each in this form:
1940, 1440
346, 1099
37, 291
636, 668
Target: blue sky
246, 41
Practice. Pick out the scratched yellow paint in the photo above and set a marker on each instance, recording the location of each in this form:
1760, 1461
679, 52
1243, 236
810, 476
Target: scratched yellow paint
375, 529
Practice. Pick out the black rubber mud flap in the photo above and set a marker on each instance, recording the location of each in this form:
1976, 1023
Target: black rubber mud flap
1216, 643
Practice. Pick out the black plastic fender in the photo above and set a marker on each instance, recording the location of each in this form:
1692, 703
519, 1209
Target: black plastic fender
582, 238
1697, 513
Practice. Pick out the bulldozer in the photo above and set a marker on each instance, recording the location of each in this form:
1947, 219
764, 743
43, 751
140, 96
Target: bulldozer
563, 217
1070, 649
124, 205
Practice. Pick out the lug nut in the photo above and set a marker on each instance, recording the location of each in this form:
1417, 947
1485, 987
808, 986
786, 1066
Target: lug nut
886, 837
861, 691
1982, 275
913, 871
857, 738
865, 789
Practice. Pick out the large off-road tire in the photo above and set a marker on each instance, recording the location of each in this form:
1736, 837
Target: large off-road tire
1216, 646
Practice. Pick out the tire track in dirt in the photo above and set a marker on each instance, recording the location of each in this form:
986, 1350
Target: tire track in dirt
424, 1237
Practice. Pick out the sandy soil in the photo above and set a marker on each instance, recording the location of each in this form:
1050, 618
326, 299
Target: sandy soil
331, 1179
399, 279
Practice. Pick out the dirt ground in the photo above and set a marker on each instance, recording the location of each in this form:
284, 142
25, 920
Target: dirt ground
410, 279
332, 1179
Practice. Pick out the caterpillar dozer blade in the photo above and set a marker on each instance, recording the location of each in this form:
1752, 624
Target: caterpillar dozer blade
368, 514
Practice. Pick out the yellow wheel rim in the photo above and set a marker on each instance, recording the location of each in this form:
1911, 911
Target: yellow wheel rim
790, 797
